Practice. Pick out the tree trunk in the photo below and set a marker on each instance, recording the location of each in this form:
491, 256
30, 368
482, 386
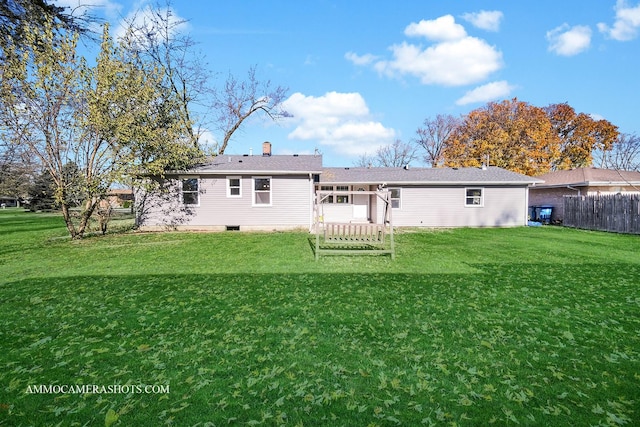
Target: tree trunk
89, 207
77, 233
66, 214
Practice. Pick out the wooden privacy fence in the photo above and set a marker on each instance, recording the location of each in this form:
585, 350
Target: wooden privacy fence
618, 213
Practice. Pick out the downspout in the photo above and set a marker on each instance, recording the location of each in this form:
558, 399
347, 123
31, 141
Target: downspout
575, 189
526, 205
311, 202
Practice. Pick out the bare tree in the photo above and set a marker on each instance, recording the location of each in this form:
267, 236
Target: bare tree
155, 35
433, 137
365, 161
241, 99
623, 155
395, 155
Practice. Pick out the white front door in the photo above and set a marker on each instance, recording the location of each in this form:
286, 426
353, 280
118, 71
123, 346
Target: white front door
360, 207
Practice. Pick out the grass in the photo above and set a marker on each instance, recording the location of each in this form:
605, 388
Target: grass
526, 326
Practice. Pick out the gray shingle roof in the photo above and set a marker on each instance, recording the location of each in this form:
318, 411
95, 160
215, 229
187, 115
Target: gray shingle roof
279, 164
303, 164
436, 176
589, 176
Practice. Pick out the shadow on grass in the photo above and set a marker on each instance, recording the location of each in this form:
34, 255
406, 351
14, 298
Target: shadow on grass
317, 346
349, 248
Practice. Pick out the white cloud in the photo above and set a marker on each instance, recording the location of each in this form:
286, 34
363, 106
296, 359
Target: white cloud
485, 19
145, 18
627, 22
454, 59
339, 120
440, 29
365, 59
452, 63
569, 41
488, 92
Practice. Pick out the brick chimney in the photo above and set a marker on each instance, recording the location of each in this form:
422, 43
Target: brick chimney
266, 148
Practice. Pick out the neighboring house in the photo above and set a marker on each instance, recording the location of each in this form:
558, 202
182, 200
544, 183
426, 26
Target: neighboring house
580, 182
9, 201
279, 192
120, 197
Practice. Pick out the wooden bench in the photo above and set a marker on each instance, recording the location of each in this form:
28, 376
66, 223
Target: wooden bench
354, 239
354, 233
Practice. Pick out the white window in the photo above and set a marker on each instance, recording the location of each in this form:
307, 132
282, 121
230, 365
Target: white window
342, 198
395, 197
327, 199
262, 191
190, 193
234, 186
337, 198
474, 197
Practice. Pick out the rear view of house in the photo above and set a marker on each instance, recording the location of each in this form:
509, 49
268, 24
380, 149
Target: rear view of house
278, 192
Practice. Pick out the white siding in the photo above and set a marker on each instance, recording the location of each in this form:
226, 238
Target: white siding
291, 205
445, 207
337, 212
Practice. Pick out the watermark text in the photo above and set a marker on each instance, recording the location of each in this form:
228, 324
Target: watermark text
98, 389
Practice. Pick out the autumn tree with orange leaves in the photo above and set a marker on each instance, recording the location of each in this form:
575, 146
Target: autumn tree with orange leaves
523, 138
580, 136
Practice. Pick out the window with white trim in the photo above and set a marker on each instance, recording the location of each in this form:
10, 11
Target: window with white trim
234, 186
337, 198
395, 197
474, 197
190, 191
342, 198
262, 191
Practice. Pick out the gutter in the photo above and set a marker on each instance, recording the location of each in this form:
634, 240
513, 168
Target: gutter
243, 172
429, 183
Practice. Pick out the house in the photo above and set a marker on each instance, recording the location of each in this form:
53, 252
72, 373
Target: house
243, 192
277, 192
429, 197
580, 182
9, 202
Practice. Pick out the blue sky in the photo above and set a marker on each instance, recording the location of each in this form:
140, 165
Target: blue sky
362, 74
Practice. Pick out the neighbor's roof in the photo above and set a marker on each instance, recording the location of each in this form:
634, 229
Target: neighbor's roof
276, 164
583, 177
421, 176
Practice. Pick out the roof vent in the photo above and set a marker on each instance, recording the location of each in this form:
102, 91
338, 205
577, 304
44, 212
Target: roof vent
406, 167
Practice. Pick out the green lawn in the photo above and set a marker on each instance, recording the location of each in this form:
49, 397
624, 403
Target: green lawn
526, 326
